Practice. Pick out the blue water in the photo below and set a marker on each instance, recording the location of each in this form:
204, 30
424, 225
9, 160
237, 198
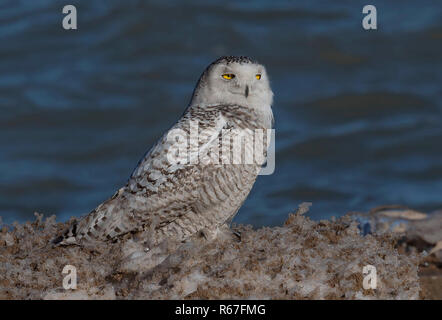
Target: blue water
358, 114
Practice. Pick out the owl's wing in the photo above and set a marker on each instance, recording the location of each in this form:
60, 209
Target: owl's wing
166, 183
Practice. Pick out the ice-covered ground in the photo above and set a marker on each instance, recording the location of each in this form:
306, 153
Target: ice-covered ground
303, 259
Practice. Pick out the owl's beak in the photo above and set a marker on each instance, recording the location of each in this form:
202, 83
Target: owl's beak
247, 91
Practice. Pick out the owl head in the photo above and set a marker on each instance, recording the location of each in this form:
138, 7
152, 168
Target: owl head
234, 80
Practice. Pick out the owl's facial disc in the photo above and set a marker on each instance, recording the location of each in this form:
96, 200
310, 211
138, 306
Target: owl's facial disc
238, 79
242, 82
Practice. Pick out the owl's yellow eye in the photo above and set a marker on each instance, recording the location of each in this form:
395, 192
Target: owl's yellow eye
228, 76
258, 76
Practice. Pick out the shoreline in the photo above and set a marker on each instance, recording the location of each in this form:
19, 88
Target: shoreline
302, 259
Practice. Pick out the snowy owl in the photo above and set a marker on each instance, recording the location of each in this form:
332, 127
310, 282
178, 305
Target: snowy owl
176, 197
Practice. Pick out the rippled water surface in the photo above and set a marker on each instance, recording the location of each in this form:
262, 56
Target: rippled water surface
358, 114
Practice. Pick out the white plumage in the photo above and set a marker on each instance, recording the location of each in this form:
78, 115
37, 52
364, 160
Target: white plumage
170, 200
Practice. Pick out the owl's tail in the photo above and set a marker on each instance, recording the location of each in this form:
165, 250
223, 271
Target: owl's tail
87, 228
107, 221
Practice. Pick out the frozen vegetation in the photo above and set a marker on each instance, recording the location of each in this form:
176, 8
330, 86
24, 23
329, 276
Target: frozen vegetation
303, 259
